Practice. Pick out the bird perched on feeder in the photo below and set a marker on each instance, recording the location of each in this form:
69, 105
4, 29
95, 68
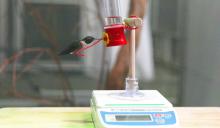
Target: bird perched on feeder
78, 46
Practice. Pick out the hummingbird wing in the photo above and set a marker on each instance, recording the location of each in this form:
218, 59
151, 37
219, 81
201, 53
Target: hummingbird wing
78, 45
72, 47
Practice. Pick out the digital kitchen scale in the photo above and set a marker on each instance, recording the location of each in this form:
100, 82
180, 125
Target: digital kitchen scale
113, 109
130, 108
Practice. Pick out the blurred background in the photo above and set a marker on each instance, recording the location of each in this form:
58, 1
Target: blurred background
185, 46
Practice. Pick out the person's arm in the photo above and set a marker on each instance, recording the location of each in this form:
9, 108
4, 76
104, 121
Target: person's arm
117, 75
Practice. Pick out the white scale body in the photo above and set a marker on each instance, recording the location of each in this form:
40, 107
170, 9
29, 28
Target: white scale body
112, 110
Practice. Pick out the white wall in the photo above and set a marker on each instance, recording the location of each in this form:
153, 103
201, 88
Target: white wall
202, 76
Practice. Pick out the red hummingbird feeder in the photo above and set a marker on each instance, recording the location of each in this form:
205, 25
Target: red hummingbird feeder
114, 27
114, 35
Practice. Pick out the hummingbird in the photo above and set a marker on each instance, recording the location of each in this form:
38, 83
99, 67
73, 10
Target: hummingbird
78, 46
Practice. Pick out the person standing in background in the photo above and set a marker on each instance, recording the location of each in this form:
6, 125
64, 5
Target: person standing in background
119, 71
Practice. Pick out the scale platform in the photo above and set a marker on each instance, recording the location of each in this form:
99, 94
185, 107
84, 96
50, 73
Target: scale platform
114, 109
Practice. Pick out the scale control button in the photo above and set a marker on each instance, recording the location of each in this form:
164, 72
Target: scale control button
167, 116
157, 115
160, 121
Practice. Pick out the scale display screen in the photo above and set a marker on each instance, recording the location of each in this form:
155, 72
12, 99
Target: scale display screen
133, 117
